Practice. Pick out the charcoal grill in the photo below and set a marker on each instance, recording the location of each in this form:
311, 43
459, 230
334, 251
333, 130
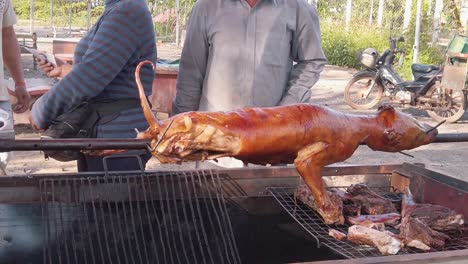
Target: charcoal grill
160, 215
225, 216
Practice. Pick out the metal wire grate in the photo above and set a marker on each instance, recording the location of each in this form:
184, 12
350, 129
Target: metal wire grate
314, 225
172, 217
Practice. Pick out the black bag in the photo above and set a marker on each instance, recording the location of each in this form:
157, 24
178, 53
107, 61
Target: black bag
81, 122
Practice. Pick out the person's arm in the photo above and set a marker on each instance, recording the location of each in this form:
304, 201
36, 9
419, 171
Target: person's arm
59, 71
107, 53
193, 62
12, 58
307, 52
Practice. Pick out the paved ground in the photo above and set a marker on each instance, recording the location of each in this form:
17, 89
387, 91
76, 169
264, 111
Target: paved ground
447, 158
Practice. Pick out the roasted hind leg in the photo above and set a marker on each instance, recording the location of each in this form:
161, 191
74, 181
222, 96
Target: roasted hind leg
308, 164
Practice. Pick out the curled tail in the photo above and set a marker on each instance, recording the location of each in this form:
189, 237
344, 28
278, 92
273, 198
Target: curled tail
150, 117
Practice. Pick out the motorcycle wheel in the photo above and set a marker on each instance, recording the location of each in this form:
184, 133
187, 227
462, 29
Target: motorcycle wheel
355, 93
450, 107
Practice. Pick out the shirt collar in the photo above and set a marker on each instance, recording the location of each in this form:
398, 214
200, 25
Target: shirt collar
108, 2
273, 1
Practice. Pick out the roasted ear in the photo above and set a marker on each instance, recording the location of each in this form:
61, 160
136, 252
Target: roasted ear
387, 114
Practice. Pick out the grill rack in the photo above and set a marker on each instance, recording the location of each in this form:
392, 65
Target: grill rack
165, 217
312, 222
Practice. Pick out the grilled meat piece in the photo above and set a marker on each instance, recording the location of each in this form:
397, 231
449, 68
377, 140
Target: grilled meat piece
336, 234
374, 206
437, 217
413, 229
304, 195
351, 210
372, 220
420, 222
371, 203
386, 243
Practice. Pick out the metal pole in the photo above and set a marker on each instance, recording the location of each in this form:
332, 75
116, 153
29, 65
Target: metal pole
349, 7
439, 5
417, 31
371, 13
464, 15
177, 22
71, 144
31, 16
380, 13
88, 16
100, 144
70, 17
407, 15
52, 14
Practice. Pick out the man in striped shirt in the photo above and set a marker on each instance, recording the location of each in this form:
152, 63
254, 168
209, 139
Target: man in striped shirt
104, 69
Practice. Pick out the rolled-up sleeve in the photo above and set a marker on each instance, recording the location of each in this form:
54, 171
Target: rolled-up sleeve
193, 62
114, 42
9, 16
307, 53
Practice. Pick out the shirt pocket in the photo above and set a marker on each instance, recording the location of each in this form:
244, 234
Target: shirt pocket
274, 48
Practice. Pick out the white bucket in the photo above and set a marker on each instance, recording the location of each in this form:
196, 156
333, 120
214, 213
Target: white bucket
6, 121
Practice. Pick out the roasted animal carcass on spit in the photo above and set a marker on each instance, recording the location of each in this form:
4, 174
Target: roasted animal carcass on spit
310, 136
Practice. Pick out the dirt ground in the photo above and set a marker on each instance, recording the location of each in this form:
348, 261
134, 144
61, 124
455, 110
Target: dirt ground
447, 158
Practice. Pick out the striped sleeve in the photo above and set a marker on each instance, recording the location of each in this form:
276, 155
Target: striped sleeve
107, 52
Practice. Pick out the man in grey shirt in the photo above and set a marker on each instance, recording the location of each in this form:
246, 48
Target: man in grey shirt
240, 53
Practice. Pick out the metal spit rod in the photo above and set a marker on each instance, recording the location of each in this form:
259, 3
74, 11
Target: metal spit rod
100, 144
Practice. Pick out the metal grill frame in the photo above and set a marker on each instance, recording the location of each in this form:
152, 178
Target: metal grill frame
313, 223
62, 198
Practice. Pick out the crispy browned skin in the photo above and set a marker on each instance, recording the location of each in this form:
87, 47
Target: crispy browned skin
310, 136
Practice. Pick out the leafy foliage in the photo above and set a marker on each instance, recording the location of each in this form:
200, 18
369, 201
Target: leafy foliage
342, 46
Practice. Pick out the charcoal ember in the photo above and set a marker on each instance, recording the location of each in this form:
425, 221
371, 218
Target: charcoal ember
416, 231
385, 243
371, 203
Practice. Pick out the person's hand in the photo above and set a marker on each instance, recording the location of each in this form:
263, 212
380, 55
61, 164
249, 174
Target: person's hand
52, 71
33, 125
23, 99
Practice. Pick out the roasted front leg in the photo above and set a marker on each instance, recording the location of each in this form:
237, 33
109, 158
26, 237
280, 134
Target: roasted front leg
309, 164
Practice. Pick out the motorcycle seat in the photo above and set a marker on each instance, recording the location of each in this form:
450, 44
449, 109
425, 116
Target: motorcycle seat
423, 68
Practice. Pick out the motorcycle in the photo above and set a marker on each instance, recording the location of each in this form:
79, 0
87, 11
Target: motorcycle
379, 78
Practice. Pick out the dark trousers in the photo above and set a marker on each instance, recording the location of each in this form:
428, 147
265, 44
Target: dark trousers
117, 162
